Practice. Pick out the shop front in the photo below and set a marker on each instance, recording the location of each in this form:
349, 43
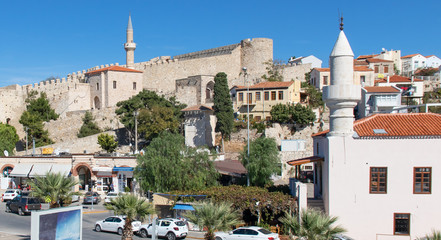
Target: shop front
123, 179
104, 179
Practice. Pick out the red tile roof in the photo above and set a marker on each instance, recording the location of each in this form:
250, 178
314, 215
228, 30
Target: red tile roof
430, 56
388, 89
362, 69
267, 85
367, 56
397, 79
397, 125
112, 68
323, 69
376, 60
301, 161
360, 62
197, 108
411, 55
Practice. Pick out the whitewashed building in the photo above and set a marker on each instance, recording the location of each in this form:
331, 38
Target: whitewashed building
315, 62
378, 175
433, 61
412, 62
378, 100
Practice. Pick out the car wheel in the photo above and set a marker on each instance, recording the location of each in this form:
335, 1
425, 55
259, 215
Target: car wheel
20, 212
144, 233
218, 238
8, 209
170, 236
98, 228
120, 231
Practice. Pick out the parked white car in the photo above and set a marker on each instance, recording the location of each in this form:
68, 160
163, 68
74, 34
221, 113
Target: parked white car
115, 224
110, 196
255, 233
170, 228
10, 194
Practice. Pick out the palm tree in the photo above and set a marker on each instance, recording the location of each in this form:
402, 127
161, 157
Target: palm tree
53, 187
436, 235
313, 225
132, 208
214, 217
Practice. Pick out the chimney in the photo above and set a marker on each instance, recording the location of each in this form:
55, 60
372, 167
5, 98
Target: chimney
388, 78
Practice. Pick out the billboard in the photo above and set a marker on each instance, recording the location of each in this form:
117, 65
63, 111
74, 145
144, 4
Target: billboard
57, 224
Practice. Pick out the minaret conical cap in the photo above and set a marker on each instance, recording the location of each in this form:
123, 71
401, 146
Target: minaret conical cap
129, 25
342, 47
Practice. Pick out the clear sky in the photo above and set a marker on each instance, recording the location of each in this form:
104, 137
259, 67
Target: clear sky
46, 38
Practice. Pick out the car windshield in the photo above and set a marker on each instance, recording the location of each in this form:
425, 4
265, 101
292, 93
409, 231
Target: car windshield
264, 231
180, 223
9, 191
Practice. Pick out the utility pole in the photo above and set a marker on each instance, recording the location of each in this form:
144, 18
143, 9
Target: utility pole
26, 129
245, 75
135, 114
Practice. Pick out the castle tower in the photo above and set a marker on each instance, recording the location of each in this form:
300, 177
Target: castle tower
342, 95
130, 46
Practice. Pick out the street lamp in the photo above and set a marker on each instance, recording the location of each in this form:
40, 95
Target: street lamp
135, 114
245, 75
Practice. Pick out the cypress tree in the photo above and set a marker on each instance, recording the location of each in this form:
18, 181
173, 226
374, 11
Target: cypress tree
223, 105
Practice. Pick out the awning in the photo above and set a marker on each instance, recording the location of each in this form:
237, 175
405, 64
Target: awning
183, 207
102, 169
304, 160
40, 170
127, 169
61, 168
230, 167
21, 170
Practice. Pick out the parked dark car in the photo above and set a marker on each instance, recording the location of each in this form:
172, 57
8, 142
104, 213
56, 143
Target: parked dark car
90, 197
23, 205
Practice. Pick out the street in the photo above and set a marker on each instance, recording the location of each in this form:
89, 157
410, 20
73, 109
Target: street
16, 227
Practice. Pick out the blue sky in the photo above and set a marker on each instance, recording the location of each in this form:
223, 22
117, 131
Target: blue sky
53, 38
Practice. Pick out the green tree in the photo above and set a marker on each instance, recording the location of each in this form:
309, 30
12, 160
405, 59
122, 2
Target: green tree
8, 139
54, 188
223, 105
302, 115
38, 111
273, 71
89, 127
146, 100
107, 142
214, 217
153, 121
435, 235
281, 113
315, 96
314, 225
133, 208
263, 160
169, 165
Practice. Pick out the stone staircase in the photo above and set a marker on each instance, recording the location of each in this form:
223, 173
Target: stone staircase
316, 204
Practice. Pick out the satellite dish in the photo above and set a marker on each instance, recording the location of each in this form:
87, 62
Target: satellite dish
6, 153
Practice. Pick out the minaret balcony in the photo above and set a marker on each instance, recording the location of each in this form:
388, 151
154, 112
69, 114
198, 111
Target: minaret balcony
129, 46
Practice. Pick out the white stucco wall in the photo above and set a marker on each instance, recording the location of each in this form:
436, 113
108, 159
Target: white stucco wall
371, 216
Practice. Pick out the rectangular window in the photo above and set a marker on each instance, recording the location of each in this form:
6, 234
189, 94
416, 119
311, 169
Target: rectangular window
376, 68
250, 98
362, 80
97, 86
422, 180
386, 69
378, 182
401, 223
280, 95
241, 97
268, 118
273, 95
257, 96
114, 84
266, 96
134, 86
325, 80
258, 118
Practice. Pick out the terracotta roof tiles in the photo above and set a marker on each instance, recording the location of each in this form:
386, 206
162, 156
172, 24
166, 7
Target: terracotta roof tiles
396, 79
396, 125
376, 60
112, 68
411, 55
387, 89
268, 85
197, 108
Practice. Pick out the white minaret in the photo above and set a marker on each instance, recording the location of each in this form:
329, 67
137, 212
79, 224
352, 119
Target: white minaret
342, 95
130, 46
